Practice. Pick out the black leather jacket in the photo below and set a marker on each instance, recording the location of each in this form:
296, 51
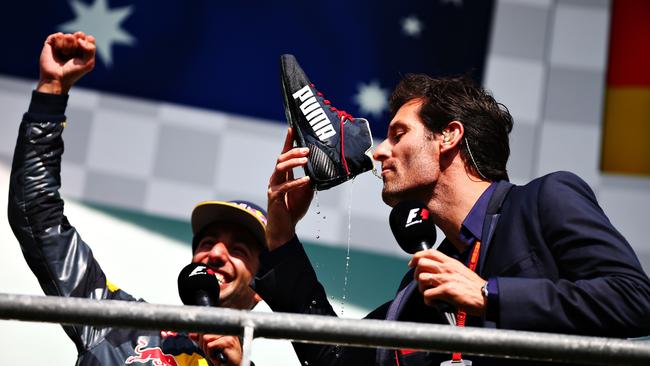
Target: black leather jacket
61, 260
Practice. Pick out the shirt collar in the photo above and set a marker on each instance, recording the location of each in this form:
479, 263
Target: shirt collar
472, 226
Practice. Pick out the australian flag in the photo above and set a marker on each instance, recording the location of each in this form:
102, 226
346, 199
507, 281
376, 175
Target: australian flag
224, 55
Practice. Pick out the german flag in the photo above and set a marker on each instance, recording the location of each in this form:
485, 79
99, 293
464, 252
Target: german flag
626, 134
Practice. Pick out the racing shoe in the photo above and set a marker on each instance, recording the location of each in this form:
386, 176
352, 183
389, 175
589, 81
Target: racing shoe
339, 144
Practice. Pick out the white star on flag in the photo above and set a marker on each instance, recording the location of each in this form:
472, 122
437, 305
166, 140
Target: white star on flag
412, 26
101, 22
372, 99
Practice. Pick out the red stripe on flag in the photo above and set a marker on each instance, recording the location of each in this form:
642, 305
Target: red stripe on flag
629, 44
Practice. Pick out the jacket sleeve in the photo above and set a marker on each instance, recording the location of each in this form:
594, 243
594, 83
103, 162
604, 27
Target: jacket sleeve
60, 259
602, 288
288, 283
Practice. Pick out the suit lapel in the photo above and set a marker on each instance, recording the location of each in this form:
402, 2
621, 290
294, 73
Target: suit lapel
491, 220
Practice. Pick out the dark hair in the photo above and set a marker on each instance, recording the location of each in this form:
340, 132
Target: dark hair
486, 122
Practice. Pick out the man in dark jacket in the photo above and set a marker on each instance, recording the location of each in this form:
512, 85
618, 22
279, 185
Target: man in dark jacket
539, 257
228, 236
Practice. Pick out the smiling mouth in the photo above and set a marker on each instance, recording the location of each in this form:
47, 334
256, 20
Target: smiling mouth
221, 278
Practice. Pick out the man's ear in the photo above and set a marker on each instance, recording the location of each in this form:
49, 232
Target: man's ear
452, 135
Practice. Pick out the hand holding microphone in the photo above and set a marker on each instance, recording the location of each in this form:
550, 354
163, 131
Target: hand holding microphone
198, 286
414, 230
442, 280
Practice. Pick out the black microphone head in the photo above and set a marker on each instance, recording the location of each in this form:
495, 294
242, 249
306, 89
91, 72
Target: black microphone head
198, 285
412, 226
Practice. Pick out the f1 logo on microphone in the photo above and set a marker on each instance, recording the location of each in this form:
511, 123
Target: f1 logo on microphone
201, 270
413, 215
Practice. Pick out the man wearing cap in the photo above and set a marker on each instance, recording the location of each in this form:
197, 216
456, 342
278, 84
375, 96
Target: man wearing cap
228, 236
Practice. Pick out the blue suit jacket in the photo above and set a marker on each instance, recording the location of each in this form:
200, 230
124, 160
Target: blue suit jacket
560, 264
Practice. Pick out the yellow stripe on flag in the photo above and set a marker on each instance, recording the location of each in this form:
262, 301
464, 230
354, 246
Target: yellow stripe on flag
627, 131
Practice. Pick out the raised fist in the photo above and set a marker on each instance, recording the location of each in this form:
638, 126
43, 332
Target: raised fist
64, 60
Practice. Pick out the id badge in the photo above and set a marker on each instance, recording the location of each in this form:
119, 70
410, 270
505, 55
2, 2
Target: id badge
456, 363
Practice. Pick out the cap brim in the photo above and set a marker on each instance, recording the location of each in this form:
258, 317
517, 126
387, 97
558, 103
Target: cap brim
208, 212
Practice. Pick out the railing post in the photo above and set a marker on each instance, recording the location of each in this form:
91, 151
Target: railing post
247, 347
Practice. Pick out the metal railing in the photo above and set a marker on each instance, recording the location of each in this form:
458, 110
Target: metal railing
326, 330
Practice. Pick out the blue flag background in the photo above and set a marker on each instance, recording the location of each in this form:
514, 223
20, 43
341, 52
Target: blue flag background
225, 55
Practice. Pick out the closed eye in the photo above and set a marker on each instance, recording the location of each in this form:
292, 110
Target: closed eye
397, 136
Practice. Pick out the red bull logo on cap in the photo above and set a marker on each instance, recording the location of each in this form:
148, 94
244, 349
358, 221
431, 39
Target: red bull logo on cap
154, 354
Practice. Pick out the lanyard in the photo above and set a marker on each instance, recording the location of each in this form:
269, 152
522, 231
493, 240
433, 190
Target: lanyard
461, 315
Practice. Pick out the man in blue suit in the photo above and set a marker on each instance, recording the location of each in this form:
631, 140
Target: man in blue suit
539, 257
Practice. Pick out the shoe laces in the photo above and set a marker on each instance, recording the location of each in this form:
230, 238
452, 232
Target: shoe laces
339, 112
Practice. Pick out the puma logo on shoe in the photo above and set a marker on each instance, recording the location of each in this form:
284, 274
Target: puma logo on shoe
314, 113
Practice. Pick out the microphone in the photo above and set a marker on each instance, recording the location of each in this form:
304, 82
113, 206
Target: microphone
412, 226
198, 286
414, 230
